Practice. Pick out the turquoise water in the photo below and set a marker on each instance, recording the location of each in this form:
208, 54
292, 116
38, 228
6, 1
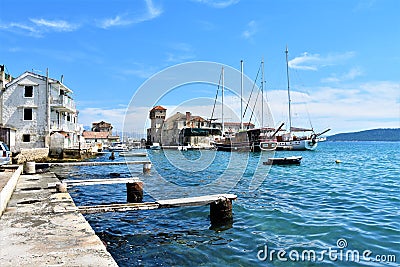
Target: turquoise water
319, 206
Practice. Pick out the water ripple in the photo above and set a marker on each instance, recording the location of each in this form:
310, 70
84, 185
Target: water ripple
306, 207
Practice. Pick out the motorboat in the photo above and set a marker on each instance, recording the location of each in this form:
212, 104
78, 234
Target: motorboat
293, 160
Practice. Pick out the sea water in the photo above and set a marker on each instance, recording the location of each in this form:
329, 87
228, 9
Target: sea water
317, 213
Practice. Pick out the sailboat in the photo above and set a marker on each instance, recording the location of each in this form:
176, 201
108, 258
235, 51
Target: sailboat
291, 141
253, 140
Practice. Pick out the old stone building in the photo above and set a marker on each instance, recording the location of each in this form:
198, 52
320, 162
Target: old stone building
168, 132
101, 133
102, 127
157, 118
37, 106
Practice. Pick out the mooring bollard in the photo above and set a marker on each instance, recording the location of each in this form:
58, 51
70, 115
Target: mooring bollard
61, 188
30, 167
134, 192
221, 212
146, 168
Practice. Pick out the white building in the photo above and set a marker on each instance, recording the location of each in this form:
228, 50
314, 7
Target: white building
38, 106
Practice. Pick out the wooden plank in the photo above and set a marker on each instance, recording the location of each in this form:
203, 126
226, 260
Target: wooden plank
118, 207
194, 201
96, 181
102, 181
98, 163
168, 203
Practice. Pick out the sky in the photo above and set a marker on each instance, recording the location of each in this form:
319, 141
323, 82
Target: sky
344, 57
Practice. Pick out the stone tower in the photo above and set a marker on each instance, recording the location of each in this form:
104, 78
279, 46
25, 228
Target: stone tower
157, 117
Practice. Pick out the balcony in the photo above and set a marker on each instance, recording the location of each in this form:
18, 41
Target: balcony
65, 127
63, 103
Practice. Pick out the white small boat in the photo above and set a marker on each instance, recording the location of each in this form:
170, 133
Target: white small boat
155, 146
118, 147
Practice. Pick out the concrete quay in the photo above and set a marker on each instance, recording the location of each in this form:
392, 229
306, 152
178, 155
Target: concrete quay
40, 227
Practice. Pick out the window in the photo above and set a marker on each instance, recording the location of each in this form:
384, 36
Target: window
28, 114
26, 138
28, 91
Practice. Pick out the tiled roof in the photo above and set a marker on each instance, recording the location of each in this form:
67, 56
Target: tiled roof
158, 108
93, 135
197, 118
237, 124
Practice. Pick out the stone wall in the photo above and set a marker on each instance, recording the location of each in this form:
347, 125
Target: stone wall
56, 145
34, 154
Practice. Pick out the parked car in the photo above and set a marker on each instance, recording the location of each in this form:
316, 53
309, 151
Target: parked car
5, 154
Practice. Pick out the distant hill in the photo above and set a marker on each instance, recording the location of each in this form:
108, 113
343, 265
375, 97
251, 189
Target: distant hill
368, 135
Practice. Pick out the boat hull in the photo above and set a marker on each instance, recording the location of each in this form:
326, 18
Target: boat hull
253, 147
284, 161
268, 145
307, 144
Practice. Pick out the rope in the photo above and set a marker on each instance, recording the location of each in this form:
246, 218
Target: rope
254, 84
216, 96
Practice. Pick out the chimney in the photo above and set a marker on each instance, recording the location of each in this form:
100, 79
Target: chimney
62, 78
2, 77
188, 116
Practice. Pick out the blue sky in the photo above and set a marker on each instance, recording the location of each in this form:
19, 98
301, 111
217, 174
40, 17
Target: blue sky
344, 55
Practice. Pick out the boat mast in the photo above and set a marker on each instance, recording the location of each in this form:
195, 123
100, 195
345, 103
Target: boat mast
288, 90
241, 95
262, 93
223, 126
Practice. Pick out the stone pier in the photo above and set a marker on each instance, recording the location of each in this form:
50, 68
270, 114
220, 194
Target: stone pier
41, 227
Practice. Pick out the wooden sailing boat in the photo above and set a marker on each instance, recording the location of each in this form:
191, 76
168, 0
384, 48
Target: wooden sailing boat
254, 140
290, 141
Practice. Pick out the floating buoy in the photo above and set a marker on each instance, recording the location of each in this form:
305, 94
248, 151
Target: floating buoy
338, 161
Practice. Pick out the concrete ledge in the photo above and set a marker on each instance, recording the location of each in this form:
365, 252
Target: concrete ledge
41, 227
8, 189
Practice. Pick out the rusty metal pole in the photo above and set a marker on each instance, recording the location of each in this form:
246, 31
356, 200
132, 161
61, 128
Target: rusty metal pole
61, 188
134, 192
221, 212
146, 168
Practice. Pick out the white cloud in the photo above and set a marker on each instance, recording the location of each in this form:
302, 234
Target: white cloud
251, 30
180, 52
117, 21
218, 3
20, 28
151, 12
56, 25
315, 61
140, 71
351, 108
114, 116
348, 76
38, 27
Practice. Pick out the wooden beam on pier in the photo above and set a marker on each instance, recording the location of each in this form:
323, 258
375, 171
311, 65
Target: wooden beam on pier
98, 163
118, 207
168, 203
194, 201
97, 181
